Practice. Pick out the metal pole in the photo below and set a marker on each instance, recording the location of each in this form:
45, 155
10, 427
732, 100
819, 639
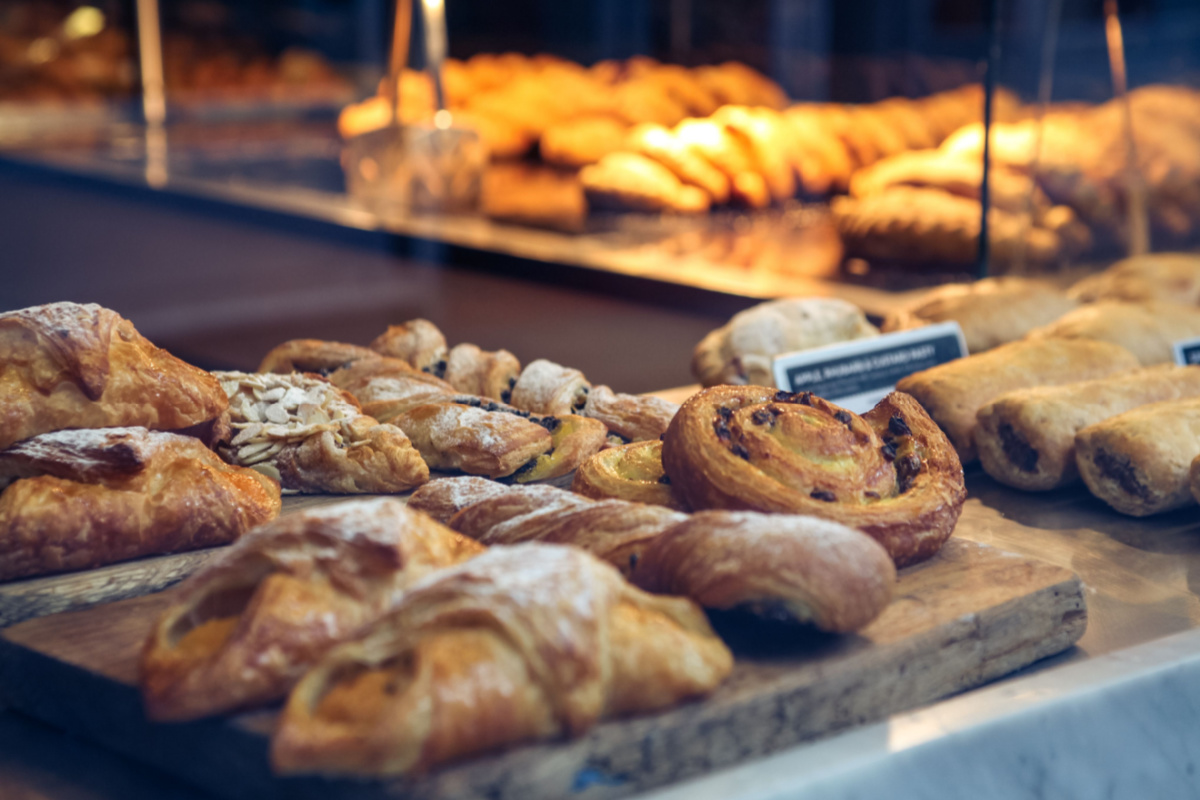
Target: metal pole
989, 90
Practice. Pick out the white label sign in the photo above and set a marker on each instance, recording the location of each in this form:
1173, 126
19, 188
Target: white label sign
1187, 351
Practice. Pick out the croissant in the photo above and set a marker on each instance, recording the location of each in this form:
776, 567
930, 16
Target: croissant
313, 355
85, 498
629, 472
243, 630
891, 472
520, 643
66, 365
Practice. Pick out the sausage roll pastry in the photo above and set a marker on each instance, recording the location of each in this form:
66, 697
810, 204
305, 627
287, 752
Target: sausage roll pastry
890, 472
521, 643
313, 355
1168, 277
1148, 330
631, 472
313, 437
954, 392
67, 365
418, 341
1139, 462
837, 579
478, 372
242, 631
633, 417
548, 388
85, 498
1026, 438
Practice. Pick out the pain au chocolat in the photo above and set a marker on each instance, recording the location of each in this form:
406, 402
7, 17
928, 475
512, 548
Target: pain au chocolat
891, 472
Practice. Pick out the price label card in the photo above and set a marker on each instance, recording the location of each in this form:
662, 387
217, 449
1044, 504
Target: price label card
1187, 351
856, 375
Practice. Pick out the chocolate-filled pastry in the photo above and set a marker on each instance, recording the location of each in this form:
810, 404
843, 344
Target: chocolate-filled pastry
313, 355
573, 440
548, 388
1139, 462
1169, 277
954, 392
835, 578
1026, 438
890, 473
85, 498
628, 472
472, 439
633, 417
312, 436
474, 371
418, 341
66, 365
387, 387
521, 643
442, 498
1148, 330
242, 631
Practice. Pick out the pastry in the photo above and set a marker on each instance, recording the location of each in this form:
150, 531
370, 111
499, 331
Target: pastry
85, 498
387, 387
629, 472
839, 580
1170, 277
765, 139
1139, 462
1148, 330
991, 312
520, 643
573, 440
633, 417
418, 341
1194, 478
742, 350
445, 497
473, 439
528, 194
474, 371
578, 142
734, 83
67, 365
548, 388
242, 631
1026, 438
312, 437
632, 182
659, 143
719, 147
890, 473
952, 393
313, 355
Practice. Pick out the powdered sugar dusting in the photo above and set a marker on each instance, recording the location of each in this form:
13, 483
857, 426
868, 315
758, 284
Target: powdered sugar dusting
547, 388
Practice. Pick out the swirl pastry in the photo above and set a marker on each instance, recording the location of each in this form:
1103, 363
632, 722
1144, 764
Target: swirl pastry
628, 472
418, 341
890, 472
839, 580
242, 631
313, 437
85, 498
548, 388
66, 365
1148, 330
313, 355
520, 643
474, 371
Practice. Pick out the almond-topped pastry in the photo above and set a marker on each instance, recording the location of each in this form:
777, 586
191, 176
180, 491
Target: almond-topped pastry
521, 643
85, 498
313, 437
66, 365
313, 355
890, 472
240, 632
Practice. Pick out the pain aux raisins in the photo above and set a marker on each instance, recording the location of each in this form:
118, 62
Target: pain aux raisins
888, 451
907, 468
843, 417
898, 426
740, 451
762, 417
665, 479
823, 494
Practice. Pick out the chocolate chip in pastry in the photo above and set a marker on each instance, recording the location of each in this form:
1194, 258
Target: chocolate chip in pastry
837, 578
67, 365
313, 355
631, 472
89, 497
548, 388
1026, 438
418, 341
952, 393
1148, 330
635, 418
890, 473
1170, 277
243, 630
312, 436
521, 643
455, 436
489, 374
573, 440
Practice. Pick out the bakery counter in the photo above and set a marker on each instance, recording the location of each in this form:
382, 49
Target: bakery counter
1120, 703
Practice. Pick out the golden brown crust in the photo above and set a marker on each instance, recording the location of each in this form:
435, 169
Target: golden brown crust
631, 472
67, 365
85, 498
521, 643
1169, 277
548, 388
468, 438
837, 578
578, 142
635, 418
244, 629
313, 355
954, 392
633, 182
1148, 330
890, 473
1026, 438
1139, 462
573, 440
660, 144
418, 341
479, 372
387, 387
442, 498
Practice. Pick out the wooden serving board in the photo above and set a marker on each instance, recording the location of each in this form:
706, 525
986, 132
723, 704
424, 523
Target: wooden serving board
969, 615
